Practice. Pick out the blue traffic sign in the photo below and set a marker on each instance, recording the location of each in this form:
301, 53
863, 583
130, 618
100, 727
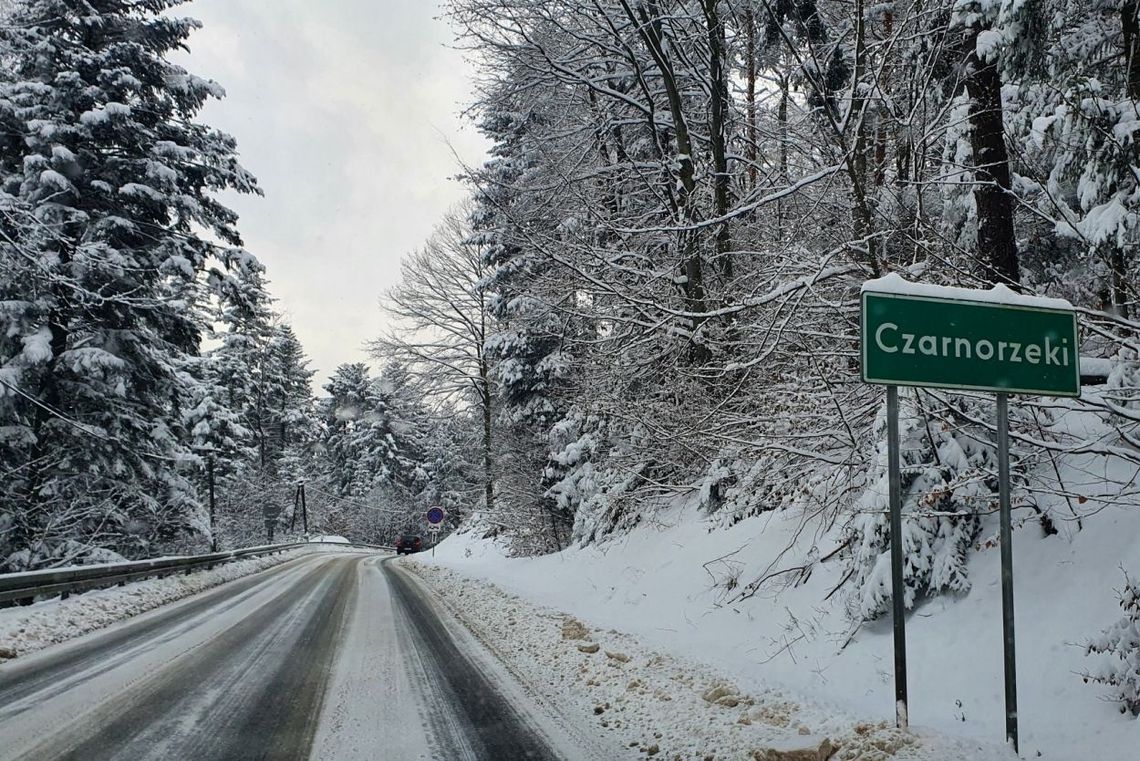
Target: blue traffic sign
435, 516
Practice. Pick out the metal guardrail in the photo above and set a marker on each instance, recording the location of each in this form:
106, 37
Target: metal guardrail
64, 581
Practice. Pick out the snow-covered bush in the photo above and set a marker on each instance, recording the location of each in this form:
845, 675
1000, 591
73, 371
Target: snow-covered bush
947, 478
1119, 648
596, 495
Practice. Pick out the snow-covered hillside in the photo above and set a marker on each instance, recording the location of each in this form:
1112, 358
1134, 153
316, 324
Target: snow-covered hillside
676, 585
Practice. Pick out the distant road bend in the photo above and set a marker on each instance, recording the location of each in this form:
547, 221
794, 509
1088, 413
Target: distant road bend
323, 657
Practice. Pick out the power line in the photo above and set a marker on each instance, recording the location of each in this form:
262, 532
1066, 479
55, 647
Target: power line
82, 427
363, 505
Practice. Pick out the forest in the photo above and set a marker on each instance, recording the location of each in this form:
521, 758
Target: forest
651, 294
682, 203
152, 398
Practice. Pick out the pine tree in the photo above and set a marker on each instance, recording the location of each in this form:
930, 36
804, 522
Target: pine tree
1121, 643
106, 184
947, 481
290, 395
261, 368
365, 441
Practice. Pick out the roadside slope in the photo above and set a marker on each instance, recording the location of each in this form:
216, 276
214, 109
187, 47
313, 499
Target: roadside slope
653, 703
677, 586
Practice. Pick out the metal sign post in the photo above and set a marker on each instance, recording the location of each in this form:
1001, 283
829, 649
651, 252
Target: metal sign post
998, 341
1006, 570
894, 481
435, 516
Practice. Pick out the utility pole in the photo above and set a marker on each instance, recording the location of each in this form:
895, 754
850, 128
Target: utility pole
270, 517
304, 510
293, 516
213, 525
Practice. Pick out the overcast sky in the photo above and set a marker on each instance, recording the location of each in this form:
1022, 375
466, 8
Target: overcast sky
347, 111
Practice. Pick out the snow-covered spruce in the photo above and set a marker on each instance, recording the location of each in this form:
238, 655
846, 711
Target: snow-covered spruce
114, 250
1119, 649
947, 480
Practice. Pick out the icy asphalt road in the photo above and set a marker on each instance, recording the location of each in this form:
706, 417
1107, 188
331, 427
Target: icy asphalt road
324, 657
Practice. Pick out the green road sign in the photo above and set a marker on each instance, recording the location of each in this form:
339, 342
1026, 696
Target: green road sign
925, 339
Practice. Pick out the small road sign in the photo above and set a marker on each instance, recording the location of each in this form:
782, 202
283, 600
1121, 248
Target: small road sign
435, 516
915, 335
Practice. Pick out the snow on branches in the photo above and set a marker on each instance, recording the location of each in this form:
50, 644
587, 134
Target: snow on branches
947, 481
1119, 648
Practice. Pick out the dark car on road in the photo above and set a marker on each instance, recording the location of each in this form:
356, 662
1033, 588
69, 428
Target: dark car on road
408, 543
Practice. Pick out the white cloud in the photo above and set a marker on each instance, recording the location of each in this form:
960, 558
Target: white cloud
344, 109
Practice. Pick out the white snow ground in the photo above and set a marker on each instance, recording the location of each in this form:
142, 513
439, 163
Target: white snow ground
673, 589
26, 629
655, 703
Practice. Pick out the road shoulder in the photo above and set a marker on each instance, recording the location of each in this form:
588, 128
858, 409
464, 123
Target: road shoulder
485, 679
28, 629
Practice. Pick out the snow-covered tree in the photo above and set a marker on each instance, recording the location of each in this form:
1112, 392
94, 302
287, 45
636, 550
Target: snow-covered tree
364, 442
443, 321
111, 232
948, 481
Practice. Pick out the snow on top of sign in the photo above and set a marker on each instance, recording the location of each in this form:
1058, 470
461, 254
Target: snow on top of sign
895, 284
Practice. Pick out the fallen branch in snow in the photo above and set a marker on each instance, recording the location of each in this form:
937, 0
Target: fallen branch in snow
844, 580
754, 586
842, 546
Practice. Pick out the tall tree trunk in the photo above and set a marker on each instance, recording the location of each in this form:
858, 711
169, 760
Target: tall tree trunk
485, 397
782, 136
649, 27
718, 130
862, 212
1119, 280
750, 94
488, 442
862, 221
1130, 25
997, 247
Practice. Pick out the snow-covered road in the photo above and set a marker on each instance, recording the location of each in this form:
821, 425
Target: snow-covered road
324, 657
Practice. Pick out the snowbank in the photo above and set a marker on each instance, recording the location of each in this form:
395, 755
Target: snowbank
655, 703
677, 586
30, 628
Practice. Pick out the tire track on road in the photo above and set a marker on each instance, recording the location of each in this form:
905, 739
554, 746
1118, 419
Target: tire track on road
252, 691
479, 722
